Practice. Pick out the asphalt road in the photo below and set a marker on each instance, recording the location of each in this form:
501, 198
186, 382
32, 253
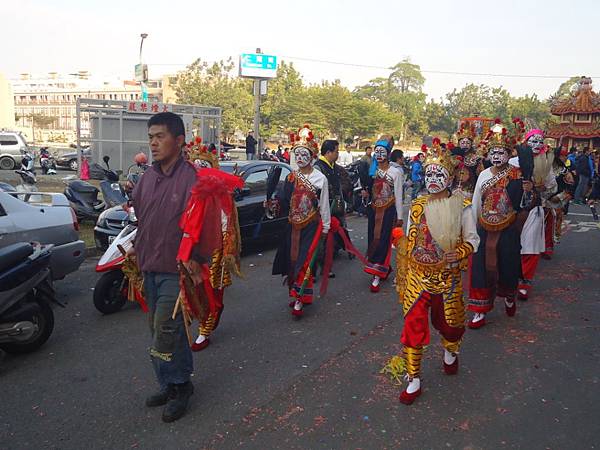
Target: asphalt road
269, 382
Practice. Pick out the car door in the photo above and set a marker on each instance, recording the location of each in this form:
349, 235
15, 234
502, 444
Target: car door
250, 203
7, 227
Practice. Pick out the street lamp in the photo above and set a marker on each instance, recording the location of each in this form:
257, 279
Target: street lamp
143, 81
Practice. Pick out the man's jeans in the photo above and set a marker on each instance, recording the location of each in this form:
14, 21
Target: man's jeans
582, 187
416, 188
170, 352
250, 156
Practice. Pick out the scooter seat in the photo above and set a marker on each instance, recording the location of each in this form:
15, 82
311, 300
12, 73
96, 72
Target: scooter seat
83, 187
13, 254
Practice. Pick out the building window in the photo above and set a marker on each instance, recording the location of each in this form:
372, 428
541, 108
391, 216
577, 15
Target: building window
566, 118
582, 118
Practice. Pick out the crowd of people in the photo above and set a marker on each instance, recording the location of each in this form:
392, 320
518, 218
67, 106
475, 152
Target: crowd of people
484, 210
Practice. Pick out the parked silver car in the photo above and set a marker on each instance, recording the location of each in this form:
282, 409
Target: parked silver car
53, 222
11, 145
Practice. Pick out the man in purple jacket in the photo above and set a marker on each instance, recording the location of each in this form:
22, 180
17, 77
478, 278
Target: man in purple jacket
159, 199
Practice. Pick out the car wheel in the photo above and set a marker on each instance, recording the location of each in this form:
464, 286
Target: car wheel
109, 293
7, 163
73, 164
43, 320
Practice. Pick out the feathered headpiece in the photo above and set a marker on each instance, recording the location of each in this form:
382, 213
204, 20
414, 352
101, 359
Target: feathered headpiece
196, 153
440, 156
466, 130
499, 136
305, 138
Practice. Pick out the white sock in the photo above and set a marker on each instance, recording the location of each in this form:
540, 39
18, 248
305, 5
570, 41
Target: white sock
413, 386
298, 305
375, 281
200, 339
478, 316
507, 303
449, 357
523, 291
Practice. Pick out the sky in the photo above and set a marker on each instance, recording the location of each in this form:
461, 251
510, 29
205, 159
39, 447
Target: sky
536, 38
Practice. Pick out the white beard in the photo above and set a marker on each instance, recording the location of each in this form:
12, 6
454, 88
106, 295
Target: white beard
444, 219
542, 165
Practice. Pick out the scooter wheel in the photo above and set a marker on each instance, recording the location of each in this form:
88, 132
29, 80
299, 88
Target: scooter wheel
43, 319
108, 293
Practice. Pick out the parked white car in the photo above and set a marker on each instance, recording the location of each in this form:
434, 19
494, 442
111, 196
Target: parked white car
11, 145
53, 222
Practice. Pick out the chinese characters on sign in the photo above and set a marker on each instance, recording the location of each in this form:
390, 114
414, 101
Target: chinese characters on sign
145, 107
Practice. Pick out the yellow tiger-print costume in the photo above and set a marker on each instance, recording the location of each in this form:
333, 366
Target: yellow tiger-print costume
436, 278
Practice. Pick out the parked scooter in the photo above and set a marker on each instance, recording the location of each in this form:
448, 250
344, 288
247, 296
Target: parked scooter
47, 162
26, 318
28, 185
112, 191
83, 196
111, 291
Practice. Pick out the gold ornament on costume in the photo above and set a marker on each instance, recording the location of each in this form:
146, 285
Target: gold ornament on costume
200, 155
499, 136
440, 156
305, 138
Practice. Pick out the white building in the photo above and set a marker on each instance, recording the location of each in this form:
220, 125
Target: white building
46, 106
7, 107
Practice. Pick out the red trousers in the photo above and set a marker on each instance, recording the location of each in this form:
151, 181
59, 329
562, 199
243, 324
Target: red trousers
415, 333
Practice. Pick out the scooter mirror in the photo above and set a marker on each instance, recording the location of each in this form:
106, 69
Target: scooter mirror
106, 159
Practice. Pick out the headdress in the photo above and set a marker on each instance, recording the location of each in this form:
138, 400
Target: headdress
305, 138
440, 156
499, 136
386, 141
196, 151
466, 130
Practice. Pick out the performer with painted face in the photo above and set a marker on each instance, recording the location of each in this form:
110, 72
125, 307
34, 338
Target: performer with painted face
305, 198
470, 165
441, 235
534, 240
500, 208
202, 212
385, 211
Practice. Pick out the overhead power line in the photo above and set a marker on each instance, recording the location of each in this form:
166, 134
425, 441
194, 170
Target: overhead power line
440, 72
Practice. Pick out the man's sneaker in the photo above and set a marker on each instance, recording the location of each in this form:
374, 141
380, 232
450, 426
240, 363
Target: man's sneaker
159, 399
178, 401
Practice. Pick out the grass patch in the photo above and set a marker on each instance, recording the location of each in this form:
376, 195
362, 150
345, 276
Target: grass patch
86, 233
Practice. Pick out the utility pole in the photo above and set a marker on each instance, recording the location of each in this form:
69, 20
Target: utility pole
257, 109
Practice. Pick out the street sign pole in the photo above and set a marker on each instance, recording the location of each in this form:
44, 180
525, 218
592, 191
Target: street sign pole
257, 111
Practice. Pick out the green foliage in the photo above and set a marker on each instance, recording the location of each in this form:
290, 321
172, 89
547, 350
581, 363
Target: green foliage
41, 120
218, 85
395, 104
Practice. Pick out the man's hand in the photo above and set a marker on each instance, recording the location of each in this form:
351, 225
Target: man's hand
527, 186
364, 194
451, 257
130, 253
193, 269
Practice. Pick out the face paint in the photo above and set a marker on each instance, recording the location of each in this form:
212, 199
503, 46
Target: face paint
437, 178
202, 164
498, 156
535, 142
380, 153
303, 156
465, 143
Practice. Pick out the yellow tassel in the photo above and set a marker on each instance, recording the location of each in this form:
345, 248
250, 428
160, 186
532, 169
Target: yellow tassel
395, 368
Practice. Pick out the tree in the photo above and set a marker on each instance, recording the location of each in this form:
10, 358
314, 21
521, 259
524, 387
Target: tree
41, 120
564, 90
532, 108
218, 85
407, 77
479, 100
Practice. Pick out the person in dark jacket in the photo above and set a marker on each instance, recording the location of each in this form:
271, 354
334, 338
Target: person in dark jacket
250, 146
584, 172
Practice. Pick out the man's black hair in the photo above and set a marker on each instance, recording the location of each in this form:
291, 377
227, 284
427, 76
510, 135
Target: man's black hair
397, 155
368, 147
329, 145
171, 120
573, 149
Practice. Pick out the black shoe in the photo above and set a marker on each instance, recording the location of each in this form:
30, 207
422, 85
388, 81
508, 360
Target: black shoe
178, 401
159, 399
331, 275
